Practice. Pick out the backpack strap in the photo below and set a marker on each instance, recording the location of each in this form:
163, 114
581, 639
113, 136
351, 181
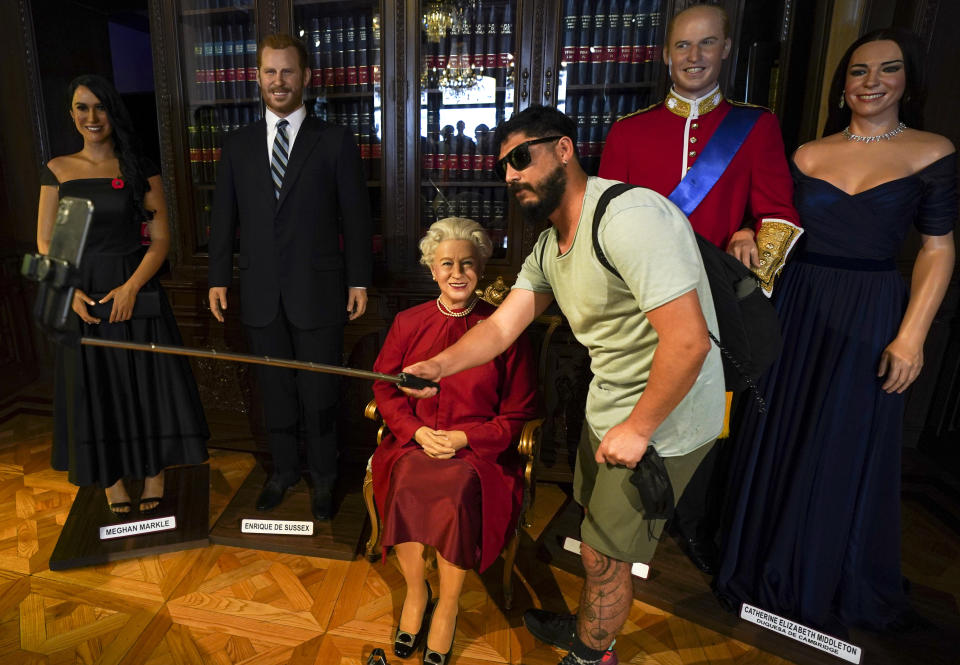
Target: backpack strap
610, 193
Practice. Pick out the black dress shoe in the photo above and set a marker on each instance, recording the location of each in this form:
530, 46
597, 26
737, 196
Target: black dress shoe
701, 552
406, 644
321, 503
271, 495
431, 657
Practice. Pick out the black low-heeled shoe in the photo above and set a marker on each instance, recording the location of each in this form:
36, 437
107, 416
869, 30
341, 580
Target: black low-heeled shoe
431, 657
406, 644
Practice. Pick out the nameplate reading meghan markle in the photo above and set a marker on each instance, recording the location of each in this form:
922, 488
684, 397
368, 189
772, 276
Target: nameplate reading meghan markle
138, 528
277, 527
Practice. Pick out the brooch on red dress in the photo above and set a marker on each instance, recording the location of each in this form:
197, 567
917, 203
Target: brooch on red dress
117, 183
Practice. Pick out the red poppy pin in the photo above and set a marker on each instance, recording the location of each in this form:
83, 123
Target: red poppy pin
117, 183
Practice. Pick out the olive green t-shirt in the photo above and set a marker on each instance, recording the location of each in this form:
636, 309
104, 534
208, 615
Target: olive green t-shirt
651, 244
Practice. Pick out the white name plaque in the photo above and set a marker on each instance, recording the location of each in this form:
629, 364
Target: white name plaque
279, 527
801, 633
638, 569
138, 528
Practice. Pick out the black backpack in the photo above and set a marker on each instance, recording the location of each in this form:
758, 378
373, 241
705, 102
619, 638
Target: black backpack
746, 320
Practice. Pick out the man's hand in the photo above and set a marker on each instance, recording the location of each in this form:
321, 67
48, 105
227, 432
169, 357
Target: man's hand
426, 369
435, 443
356, 302
622, 445
80, 302
743, 247
218, 301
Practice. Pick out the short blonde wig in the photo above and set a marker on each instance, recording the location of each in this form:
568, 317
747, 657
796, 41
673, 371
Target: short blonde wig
455, 228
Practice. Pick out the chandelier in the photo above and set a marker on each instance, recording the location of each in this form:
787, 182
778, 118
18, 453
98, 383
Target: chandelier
440, 17
457, 79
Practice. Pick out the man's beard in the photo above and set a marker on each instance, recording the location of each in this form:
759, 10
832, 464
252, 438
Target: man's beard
550, 193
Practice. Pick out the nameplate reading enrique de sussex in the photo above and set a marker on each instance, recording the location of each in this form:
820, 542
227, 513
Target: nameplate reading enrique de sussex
138, 528
277, 527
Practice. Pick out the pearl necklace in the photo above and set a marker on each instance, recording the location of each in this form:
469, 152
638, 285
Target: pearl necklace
886, 136
457, 315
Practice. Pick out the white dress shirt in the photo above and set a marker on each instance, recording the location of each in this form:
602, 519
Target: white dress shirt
295, 119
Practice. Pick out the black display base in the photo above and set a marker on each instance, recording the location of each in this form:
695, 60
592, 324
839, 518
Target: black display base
186, 497
335, 539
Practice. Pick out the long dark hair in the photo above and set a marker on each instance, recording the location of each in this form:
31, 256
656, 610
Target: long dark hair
914, 95
126, 143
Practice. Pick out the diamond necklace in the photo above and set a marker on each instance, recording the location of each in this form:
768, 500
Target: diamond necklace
886, 136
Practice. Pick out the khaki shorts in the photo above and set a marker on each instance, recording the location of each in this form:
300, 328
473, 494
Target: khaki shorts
614, 524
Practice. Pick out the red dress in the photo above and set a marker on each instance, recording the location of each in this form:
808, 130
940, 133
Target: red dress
466, 506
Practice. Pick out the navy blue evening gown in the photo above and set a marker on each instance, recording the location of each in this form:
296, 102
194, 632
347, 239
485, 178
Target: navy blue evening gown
814, 523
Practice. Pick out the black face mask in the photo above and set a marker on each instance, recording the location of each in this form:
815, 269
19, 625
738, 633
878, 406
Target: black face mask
519, 158
550, 193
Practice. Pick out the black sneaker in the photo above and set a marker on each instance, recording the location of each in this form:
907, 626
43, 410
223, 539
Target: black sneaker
557, 630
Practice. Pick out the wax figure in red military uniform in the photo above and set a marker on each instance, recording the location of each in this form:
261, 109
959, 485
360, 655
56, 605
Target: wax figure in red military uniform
656, 147
748, 211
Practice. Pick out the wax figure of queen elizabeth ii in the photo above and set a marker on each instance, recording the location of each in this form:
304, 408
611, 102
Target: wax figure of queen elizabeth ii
448, 474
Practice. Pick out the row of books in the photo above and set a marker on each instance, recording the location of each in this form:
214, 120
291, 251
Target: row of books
594, 115
344, 51
487, 205
363, 120
218, 4
486, 46
449, 156
607, 41
225, 62
210, 125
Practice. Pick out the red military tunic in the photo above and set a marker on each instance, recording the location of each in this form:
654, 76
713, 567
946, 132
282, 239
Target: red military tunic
655, 147
491, 403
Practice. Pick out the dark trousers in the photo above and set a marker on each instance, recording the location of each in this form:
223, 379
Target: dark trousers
299, 403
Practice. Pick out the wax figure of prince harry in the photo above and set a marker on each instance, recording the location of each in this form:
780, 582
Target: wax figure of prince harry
294, 187
724, 165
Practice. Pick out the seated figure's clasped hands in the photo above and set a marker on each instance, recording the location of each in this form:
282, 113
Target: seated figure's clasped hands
440, 444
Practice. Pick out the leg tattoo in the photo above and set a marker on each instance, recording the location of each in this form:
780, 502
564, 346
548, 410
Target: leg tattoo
605, 600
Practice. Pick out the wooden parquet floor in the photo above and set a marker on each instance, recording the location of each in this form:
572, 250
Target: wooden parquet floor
232, 606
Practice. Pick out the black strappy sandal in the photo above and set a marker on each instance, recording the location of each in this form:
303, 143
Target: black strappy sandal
121, 504
148, 499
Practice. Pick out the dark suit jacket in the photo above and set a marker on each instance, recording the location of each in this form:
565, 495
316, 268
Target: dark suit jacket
290, 248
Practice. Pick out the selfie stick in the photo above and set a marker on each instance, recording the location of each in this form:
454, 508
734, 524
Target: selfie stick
402, 379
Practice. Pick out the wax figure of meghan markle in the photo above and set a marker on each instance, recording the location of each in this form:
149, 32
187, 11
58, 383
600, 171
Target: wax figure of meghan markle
815, 533
119, 414
448, 474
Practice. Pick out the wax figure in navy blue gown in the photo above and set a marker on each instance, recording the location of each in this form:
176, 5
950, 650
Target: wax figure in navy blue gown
294, 188
119, 414
448, 473
815, 532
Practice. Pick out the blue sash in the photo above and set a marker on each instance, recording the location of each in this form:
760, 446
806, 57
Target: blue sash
715, 158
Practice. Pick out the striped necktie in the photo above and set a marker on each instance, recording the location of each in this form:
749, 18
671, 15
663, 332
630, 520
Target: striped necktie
279, 156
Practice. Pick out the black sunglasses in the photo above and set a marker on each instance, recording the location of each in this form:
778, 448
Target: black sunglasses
519, 158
